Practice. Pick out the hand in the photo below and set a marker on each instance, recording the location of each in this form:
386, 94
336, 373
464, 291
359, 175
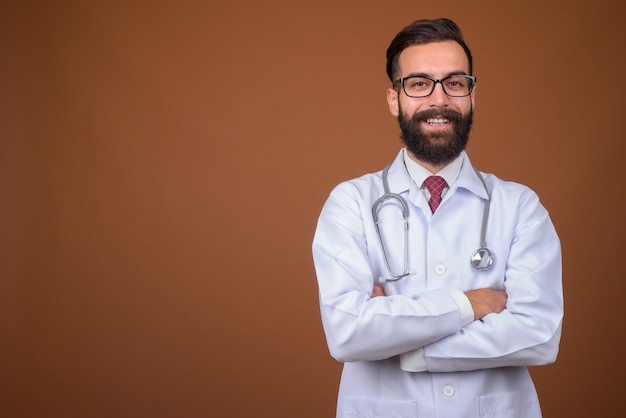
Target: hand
377, 291
486, 301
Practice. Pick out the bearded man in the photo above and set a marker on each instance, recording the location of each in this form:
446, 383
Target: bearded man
438, 284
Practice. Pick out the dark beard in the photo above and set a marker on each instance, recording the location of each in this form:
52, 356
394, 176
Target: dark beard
438, 148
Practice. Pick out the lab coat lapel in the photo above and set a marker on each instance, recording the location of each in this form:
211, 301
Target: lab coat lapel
398, 178
469, 180
400, 182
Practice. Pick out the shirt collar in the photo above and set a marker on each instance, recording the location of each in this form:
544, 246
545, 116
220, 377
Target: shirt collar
400, 181
418, 173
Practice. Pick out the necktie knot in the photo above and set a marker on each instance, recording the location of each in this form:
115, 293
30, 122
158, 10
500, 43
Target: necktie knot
435, 185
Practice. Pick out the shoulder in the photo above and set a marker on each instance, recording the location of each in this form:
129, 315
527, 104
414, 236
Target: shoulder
358, 190
507, 188
515, 198
363, 182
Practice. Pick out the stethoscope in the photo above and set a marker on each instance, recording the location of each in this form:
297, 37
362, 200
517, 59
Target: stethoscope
482, 259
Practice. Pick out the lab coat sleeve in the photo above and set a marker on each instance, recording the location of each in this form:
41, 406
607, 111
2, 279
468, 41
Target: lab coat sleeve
415, 361
527, 332
357, 327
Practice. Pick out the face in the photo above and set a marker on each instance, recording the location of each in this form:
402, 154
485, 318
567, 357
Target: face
436, 128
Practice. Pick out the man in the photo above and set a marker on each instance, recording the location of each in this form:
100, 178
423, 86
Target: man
426, 325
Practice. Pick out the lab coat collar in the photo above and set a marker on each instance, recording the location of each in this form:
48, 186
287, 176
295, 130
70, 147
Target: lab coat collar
400, 181
398, 176
469, 180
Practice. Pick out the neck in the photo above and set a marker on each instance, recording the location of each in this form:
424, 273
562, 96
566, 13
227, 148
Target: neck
433, 168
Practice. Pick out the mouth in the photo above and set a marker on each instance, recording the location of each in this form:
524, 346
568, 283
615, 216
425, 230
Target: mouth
437, 121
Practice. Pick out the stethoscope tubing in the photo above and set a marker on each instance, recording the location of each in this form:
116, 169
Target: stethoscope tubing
405, 214
482, 259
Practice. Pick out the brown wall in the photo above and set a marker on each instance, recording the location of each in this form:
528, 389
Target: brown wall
162, 168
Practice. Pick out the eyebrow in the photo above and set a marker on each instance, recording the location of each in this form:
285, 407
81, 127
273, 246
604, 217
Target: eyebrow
419, 74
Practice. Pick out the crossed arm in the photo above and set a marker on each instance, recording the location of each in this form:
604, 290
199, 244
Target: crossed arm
483, 301
362, 323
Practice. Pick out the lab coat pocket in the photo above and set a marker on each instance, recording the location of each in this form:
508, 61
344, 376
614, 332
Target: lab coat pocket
361, 407
522, 403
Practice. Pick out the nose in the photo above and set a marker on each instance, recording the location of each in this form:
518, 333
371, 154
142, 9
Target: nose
438, 97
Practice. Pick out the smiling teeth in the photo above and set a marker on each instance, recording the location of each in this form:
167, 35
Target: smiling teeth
433, 121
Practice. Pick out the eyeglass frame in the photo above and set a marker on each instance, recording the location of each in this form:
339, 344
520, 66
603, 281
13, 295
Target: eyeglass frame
401, 81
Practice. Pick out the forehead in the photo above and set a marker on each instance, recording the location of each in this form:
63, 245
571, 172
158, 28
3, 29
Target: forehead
436, 59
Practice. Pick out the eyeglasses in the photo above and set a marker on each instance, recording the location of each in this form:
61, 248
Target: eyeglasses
423, 86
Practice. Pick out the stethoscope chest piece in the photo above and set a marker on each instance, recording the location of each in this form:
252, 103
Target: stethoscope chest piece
482, 259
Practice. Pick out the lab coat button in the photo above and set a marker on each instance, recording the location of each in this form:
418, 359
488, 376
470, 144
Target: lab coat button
440, 269
448, 390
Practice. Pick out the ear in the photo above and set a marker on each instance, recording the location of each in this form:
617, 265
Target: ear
392, 102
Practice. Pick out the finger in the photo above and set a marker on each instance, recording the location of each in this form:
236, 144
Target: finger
377, 291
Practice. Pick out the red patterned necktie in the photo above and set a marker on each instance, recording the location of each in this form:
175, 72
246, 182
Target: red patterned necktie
435, 185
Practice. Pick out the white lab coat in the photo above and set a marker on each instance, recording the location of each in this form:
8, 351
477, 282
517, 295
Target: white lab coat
475, 370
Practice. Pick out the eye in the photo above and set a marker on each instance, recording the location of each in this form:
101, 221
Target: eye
417, 83
457, 83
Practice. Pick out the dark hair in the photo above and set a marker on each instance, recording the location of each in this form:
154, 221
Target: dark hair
423, 32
